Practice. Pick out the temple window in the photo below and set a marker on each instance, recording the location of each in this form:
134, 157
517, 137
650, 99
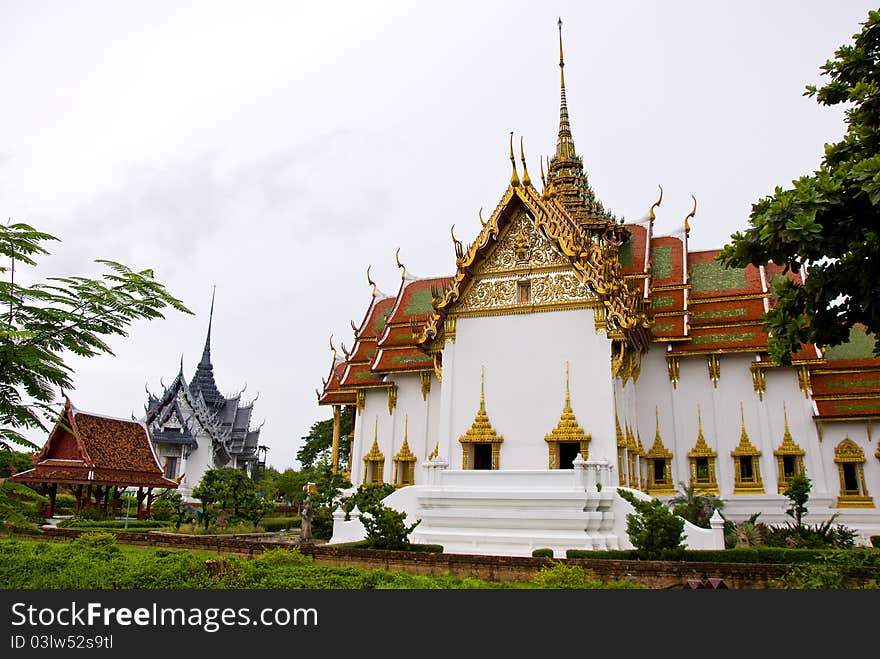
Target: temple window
523, 292
404, 461
702, 461
850, 461
789, 458
481, 445
374, 461
746, 468
171, 467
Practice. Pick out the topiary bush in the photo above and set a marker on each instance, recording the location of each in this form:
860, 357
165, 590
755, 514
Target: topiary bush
543, 552
655, 532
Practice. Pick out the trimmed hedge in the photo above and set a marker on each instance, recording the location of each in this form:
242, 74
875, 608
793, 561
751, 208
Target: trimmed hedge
543, 552
115, 524
777, 555
875, 541
365, 544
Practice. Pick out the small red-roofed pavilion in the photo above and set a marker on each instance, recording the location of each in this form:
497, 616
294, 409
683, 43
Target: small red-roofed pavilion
98, 457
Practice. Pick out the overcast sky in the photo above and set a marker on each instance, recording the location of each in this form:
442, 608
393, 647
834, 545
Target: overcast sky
276, 149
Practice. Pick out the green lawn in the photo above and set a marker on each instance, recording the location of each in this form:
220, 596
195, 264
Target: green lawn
95, 561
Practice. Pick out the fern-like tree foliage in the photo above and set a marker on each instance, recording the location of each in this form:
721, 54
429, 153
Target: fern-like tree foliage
830, 220
40, 322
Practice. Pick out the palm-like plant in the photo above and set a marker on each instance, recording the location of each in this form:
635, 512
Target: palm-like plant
695, 507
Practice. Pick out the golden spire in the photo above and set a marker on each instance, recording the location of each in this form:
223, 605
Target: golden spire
433, 454
399, 264
701, 448
526, 180
375, 453
481, 430
564, 142
371, 283
690, 216
405, 453
567, 430
745, 446
658, 449
514, 178
788, 446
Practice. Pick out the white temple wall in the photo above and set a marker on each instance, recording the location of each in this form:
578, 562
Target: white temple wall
409, 406
200, 459
524, 356
782, 389
653, 391
375, 411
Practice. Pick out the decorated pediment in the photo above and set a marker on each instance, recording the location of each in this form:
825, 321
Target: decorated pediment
525, 272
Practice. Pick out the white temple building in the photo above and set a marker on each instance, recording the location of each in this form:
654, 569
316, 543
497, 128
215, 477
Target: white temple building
567, 349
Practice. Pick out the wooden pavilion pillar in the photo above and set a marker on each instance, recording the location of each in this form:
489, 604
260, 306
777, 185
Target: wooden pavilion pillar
79, 493
106, 505
140, 501
337, 409
88, 497
53, 490
150, 497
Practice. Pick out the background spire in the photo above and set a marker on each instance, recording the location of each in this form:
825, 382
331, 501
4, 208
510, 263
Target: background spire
206, 353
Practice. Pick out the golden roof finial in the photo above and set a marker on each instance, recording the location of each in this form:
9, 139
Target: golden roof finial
480, 215
551, 189
332, 349
399, 264
514, 178
561, 59
456, 243
543, 179
656, 204
526, 180
483, 389
371, 283
690, 216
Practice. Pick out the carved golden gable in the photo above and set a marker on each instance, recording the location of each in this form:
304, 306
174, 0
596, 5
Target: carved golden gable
524, 273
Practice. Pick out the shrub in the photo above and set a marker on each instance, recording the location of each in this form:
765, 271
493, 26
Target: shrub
367, 496
875, 541
833, 572
561, 575
543, 552
386, 529
655, 531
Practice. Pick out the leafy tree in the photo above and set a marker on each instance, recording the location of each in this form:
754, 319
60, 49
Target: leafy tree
319, 442
19, 460
694, 507
830, 220
211, 490
386, 528
39, 322
798, 493
173, 501
653, 529
367, 496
